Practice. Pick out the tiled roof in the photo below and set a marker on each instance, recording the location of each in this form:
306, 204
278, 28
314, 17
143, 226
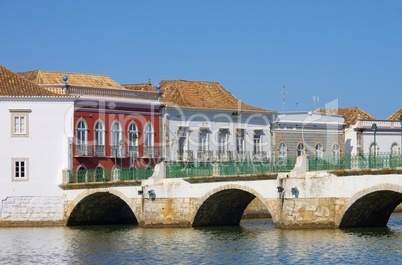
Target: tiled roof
199, 94
13, 85
395, 115
74, 79
351, 114
140, 87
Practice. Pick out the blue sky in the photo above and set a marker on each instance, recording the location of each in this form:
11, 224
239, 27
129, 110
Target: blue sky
344, 50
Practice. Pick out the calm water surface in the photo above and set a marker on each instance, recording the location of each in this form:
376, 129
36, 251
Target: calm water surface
253, 242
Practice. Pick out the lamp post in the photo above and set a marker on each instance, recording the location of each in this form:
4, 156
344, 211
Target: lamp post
374, 127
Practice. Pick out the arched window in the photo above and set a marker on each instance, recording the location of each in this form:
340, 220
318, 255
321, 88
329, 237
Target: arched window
318, 150
81, 138
99, 137
99, 173
395, 155
282, 153
300, 149
117, 140
133, 140
395, 149
149, 141
82, 174
336, 150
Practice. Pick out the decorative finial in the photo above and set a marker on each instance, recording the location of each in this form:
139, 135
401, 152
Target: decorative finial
65, 78
158, 87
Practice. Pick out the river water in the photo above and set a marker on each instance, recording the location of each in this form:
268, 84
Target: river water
253, 242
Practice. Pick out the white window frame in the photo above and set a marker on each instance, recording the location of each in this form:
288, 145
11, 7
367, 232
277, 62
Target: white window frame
336, 150
149, 135
300, 149
16, 130
99, 138
395, 149
203, 141
133, 134
99, 133
81, 133
223, 141
257, 143
282, 151
17, 169
116, 139
240, 141
319, 152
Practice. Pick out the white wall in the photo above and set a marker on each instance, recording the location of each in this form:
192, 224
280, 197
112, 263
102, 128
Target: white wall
46, 147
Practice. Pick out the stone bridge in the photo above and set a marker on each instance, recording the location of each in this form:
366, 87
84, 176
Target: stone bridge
297, 199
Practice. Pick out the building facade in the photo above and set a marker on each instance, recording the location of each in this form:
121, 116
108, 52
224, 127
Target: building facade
315, 134
113, 126
203, 122
35, 138
366, 135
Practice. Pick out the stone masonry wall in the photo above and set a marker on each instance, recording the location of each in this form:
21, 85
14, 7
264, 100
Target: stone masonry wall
256, 209
307, 213
171, 212
32, 211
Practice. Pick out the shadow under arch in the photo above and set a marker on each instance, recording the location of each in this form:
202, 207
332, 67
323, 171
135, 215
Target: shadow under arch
224, 206
371, 207
100, 208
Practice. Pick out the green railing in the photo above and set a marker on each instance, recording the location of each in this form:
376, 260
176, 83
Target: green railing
363, 161
103, 175
242, 168
185, 170
189, 170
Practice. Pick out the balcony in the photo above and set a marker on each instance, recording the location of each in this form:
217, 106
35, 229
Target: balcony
185, 155
224, 156
260, 155
118, 151
151, 151
133, 152
83, 150
99, 150
204, 156
241, 156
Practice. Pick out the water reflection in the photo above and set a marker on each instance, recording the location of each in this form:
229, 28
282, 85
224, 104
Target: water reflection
254, 242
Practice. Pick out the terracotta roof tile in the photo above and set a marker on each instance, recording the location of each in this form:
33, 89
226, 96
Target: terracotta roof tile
395, 115
74, 79
199, 94
13, 85
140, 87
351, 114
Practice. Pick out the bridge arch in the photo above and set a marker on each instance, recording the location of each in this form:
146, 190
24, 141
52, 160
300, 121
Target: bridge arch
100, 207
225, 205
370, 207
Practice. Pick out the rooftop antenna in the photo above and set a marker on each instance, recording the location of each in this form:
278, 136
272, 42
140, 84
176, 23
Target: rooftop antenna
315, 99
283, 97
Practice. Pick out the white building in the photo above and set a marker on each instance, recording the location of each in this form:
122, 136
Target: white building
202, 121
34, 150
367, 135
